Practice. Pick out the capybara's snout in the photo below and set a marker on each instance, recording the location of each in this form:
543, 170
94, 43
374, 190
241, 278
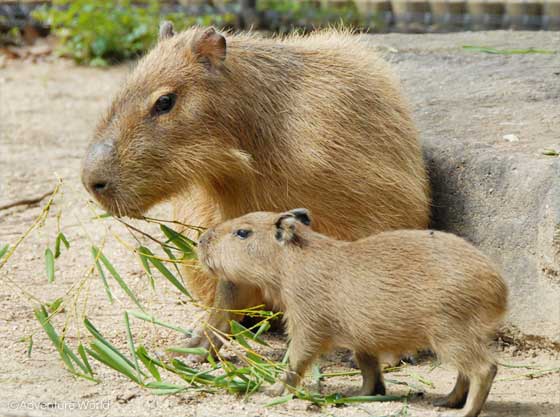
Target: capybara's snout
97, 172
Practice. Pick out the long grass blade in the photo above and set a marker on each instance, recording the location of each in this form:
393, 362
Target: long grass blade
131, 345
142, 354
102, 275
142, 253
4, 250
166, 273
152, 319
49, 261
99, 255
99, 337
64, 351
183, 243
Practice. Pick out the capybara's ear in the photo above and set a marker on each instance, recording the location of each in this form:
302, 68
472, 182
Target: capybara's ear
166, 30
210, 48
285, 228
303, 215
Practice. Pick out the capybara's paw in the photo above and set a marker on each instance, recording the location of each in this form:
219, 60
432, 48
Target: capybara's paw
275, 390
448, 402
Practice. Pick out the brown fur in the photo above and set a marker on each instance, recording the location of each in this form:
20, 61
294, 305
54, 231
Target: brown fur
394, 292
262, 124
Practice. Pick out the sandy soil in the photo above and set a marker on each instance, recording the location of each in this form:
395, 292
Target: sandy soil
47, 113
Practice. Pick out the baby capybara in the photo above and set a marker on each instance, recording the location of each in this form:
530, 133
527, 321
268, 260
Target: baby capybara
394, 292
226, 124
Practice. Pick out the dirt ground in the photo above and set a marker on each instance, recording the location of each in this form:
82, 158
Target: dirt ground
47, 114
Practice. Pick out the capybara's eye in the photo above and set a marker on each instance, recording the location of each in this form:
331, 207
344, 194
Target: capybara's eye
242, 233
164, 104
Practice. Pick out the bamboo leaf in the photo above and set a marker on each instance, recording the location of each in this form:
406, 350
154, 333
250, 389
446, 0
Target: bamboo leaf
64, 351
30, 346
148, 363
102, 274
143, 252
152, 319
49, 261
160, 388
280, 400
189, 351
131, 345
238, 329
102, 353
99, 255
167, 273
60, 238
4, 250
82, 353
183, 243
95, 333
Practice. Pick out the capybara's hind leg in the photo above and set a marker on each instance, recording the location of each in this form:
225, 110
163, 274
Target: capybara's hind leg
371, 373
458, 396
480, 385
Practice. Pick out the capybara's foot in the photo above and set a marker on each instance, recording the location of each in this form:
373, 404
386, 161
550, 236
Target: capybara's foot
275, 390
448, 402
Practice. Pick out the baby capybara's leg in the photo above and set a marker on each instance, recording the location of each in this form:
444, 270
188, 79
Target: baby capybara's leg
229, 297
480, 384
371, 373
458, 396
299, 359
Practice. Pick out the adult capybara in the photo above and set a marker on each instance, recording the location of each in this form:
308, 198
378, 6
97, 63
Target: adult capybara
394, 292
231, 124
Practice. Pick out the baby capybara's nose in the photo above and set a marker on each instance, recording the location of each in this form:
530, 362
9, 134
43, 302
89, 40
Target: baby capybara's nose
207, 237
96, 169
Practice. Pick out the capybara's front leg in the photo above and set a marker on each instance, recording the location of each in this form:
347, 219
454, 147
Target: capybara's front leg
229, 298
299, 359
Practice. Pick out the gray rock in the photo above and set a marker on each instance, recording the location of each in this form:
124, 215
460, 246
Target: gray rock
504, 196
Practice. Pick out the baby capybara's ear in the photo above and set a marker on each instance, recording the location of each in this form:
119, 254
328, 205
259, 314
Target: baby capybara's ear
210, 48
166, 30
302, 214
285, 228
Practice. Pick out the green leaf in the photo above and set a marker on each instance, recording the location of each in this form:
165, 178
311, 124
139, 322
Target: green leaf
60, 238
49, 261
97, 335
152, 319
82, 353
488, 50
131, 345
104, 354
189, 351
166, 272
160, 388
4, 250
143, 254
183, 243
280, 400
64, 351
102, 275
30, 346
99, 255
238, 329
53, 307
142, 354
547, 152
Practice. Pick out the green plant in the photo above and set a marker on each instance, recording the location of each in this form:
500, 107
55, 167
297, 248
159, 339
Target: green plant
99, 32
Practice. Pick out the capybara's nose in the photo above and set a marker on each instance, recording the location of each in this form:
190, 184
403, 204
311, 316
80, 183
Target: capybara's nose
207, 237
96, 168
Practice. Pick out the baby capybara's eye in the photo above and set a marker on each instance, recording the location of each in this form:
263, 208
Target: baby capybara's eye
242, 233
164, 104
